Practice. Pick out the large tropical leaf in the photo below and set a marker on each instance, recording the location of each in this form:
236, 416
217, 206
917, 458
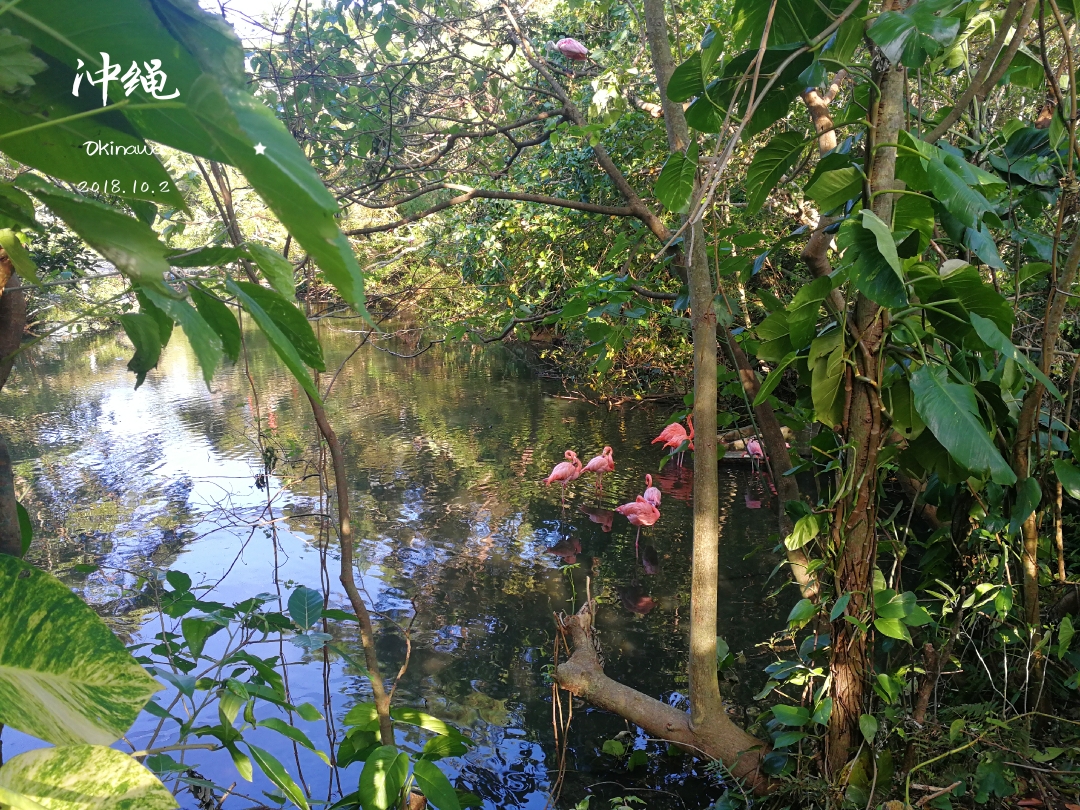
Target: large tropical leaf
128, 243
877, 272
64, 677
385, 770
996, 340
100, 150
84, 777
675, 185
435, 786
769, 165
952, 414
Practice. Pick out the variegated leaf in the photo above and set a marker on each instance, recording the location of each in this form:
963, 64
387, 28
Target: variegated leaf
84, 777
64, 676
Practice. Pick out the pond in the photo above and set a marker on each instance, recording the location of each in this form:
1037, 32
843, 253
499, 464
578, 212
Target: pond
458, 541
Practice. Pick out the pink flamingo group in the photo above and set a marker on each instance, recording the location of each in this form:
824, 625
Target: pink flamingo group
675, 437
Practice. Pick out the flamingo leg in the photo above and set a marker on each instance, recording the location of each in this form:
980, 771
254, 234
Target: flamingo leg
636, 539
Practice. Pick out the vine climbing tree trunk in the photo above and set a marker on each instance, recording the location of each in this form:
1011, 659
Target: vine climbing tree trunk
854, 525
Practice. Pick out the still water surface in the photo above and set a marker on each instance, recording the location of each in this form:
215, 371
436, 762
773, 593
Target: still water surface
455, 533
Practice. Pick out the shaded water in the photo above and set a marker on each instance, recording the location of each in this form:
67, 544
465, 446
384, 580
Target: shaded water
445, 453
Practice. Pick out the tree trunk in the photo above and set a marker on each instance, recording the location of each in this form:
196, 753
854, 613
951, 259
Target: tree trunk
12, 326
854, 525
367, 632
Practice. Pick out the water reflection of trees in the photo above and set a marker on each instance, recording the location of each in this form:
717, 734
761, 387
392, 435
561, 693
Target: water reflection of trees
444, 454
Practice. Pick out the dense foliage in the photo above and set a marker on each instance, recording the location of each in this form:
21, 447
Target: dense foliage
869, 207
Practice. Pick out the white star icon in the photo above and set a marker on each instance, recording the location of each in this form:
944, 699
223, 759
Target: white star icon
260, 149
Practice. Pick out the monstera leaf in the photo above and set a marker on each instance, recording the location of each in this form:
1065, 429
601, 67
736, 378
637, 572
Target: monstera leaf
64, 677
82, 777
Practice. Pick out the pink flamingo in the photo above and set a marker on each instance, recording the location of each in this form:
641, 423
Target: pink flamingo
572, 49
640, 513
674, 435
754, 451
652, 494
601, 464
565, 471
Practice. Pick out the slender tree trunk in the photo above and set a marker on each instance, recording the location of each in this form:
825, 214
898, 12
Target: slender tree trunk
12, 325
1027, 422
363, 617
855, 523
705, 701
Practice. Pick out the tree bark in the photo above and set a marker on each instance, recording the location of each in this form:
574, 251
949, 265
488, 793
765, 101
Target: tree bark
705, 701
855, 524
12, 326
348, 581
1027, 422
721, 739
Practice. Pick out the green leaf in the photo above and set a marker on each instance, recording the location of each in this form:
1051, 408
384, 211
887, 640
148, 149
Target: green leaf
17, 64
788, 738
956, 728
952, 414
413, 717
440, 747
26, 528
242, 762
204, 341
834, 188
435, 786
277, 774
16, 209
1065, 636
209, 256
142, 331
686, 80
613, 748
220, 318
196, 631
383, 776
128, 243
24, 264
823, 712
995, 339
911, 36
769, 165
278, 339
774, 378
290, 321
675, 185
276, 268
1028, 496
802, 612
827, 377
282, 176
806, 529
305, 607
308, 712
293, 733
791, 715
17, 801
1069, 476
868, 725
839, 607
955, 195
364, 716
877, 272
893, 628
84, 777
803, 310
990, 780
60, 150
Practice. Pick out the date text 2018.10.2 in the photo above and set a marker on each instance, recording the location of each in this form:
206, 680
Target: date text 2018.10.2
115, 187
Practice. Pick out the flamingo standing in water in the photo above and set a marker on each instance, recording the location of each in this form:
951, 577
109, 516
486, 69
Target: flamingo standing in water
753, 449
652, 494
601, 464
674, 435
640, 513
565, 471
